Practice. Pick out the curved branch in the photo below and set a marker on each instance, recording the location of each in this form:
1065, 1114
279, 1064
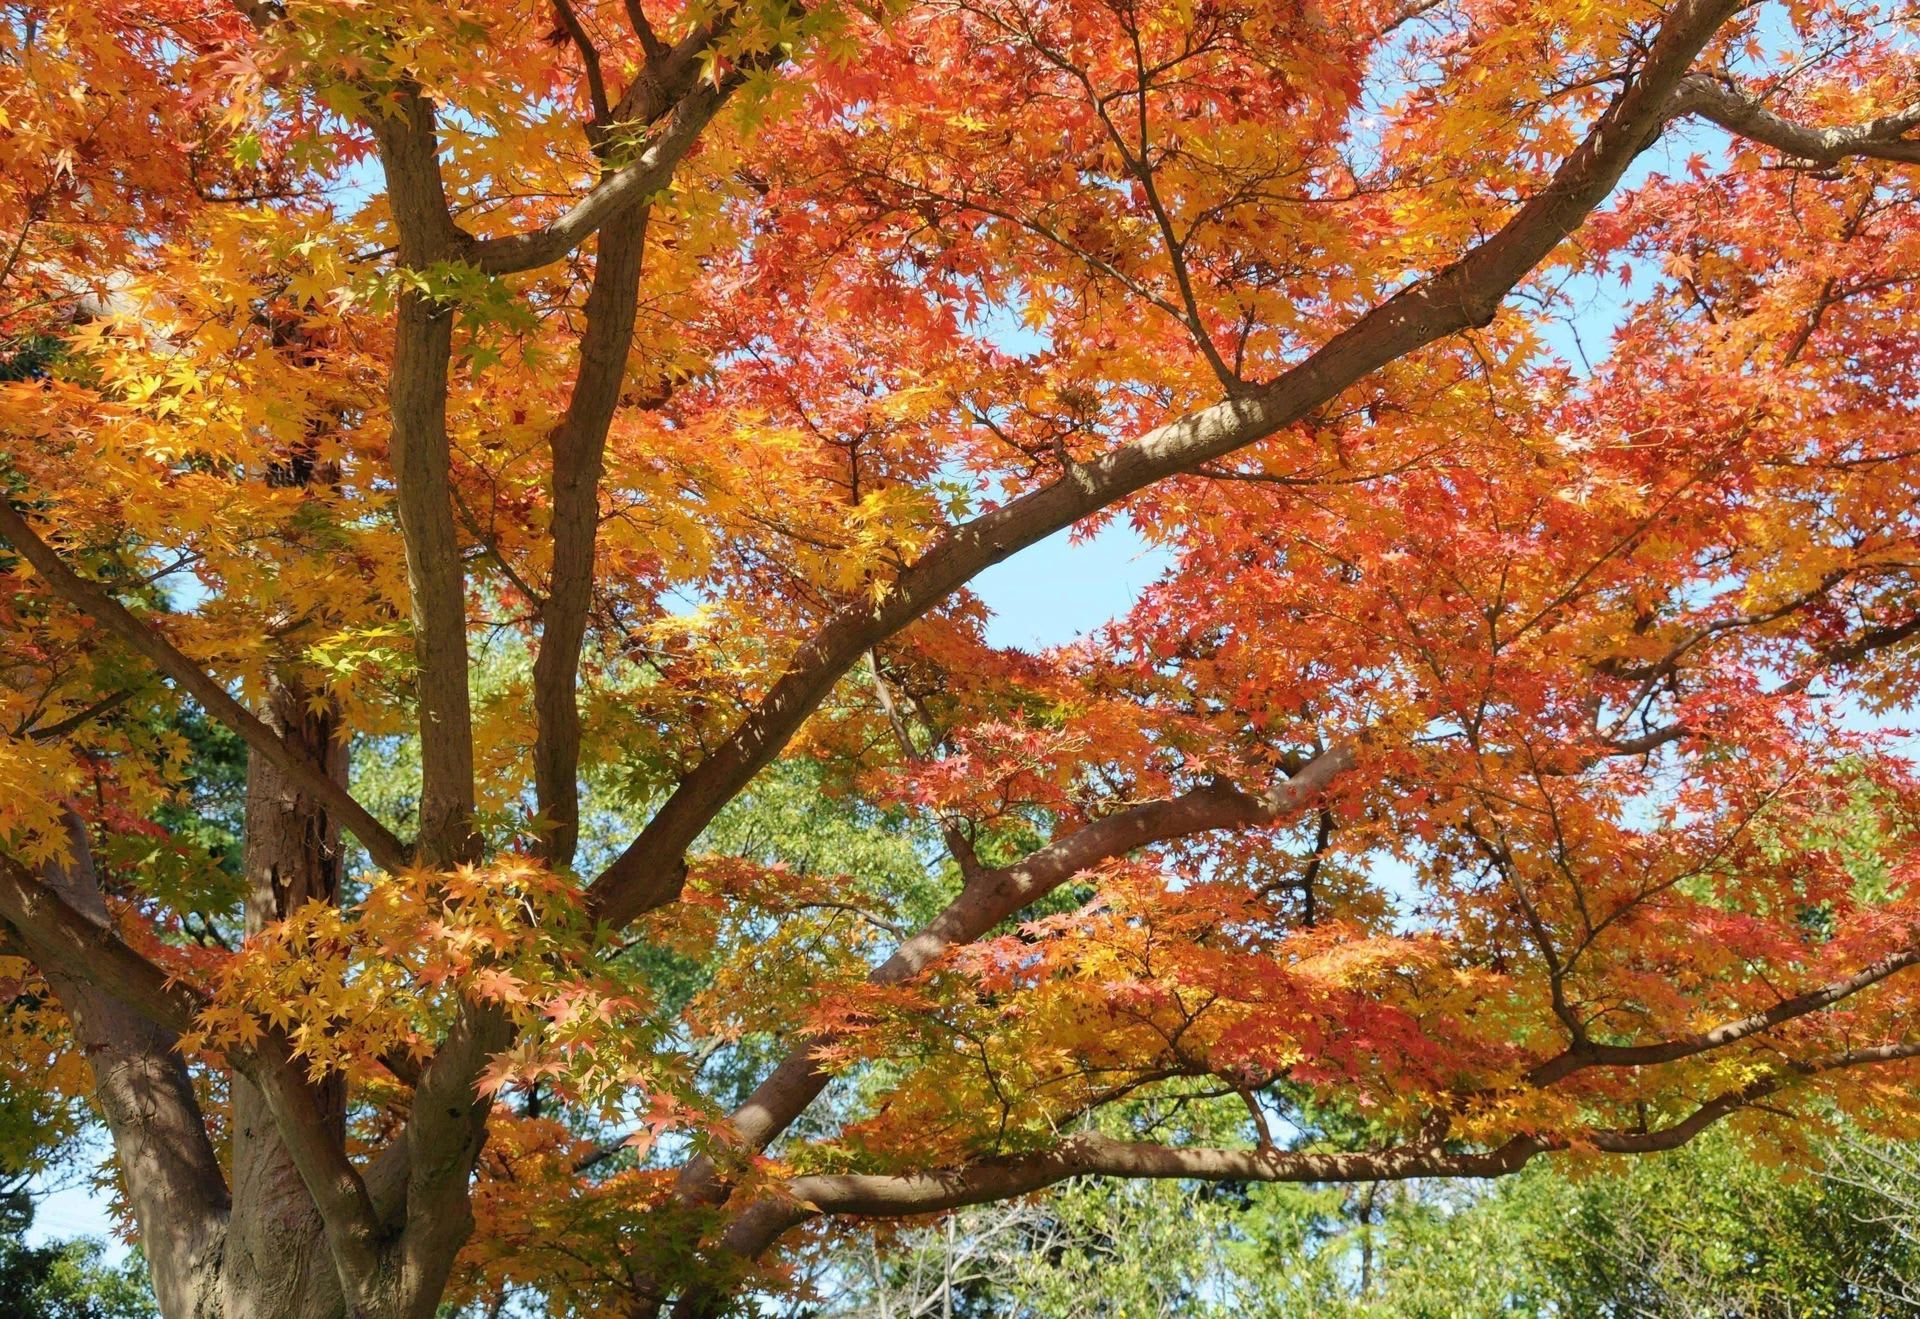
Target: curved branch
1686, 1046
1091, 1154
1708, 97
618, 194
992, 896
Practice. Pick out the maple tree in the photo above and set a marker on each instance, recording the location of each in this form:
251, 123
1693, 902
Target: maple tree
1486, 761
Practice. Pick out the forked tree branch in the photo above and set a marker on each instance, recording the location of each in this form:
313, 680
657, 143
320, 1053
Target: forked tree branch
994, 895
70, 945
1589, 1054
1467, 293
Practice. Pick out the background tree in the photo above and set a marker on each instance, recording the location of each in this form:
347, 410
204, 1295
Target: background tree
1471, 772
1713, 1229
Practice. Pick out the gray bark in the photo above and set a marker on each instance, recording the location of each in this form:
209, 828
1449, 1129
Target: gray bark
277, 1261
172, 1176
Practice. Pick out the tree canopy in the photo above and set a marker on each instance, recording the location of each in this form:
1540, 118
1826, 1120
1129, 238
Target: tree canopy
507, 779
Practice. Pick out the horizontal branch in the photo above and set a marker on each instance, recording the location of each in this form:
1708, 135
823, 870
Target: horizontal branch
93, 600
1584, 1056
1092, 1154
1708, 97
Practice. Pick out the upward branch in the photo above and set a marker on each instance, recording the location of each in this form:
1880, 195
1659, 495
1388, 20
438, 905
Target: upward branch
669, 81
92, 599
417, 400
1466, 293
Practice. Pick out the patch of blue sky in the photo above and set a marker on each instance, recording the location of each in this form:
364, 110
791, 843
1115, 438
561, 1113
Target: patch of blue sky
1072, 583
1061, 589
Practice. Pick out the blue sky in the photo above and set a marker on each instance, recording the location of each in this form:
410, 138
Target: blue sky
1058, 590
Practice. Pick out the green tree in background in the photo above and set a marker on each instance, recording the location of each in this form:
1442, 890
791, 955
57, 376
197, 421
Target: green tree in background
62, 1279
1712, 1231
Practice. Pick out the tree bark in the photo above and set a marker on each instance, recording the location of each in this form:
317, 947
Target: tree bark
277, 1261
172, 1175
579, 444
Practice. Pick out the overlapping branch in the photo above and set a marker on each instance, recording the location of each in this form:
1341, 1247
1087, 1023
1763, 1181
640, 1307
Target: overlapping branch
991, 896
1092, 1154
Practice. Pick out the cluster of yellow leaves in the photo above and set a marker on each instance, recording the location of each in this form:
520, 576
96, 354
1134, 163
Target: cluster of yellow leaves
347, 987
38, 780
44, 1081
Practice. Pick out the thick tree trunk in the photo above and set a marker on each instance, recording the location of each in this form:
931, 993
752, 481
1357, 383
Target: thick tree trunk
172, 1176
277, 1263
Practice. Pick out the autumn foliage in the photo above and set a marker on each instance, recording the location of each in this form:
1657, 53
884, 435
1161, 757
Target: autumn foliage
549, 445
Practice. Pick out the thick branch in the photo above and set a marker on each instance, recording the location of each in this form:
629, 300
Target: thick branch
1885, 138
91, 599
1092, 1154
436, 578
63, 939
141, 1087
346, 1210
442, 1139
417, 399
1464, 294
84, 953
578, 445
992, 897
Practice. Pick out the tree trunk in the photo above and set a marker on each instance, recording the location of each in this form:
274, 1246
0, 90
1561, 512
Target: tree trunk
277, 1263
171, 1173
